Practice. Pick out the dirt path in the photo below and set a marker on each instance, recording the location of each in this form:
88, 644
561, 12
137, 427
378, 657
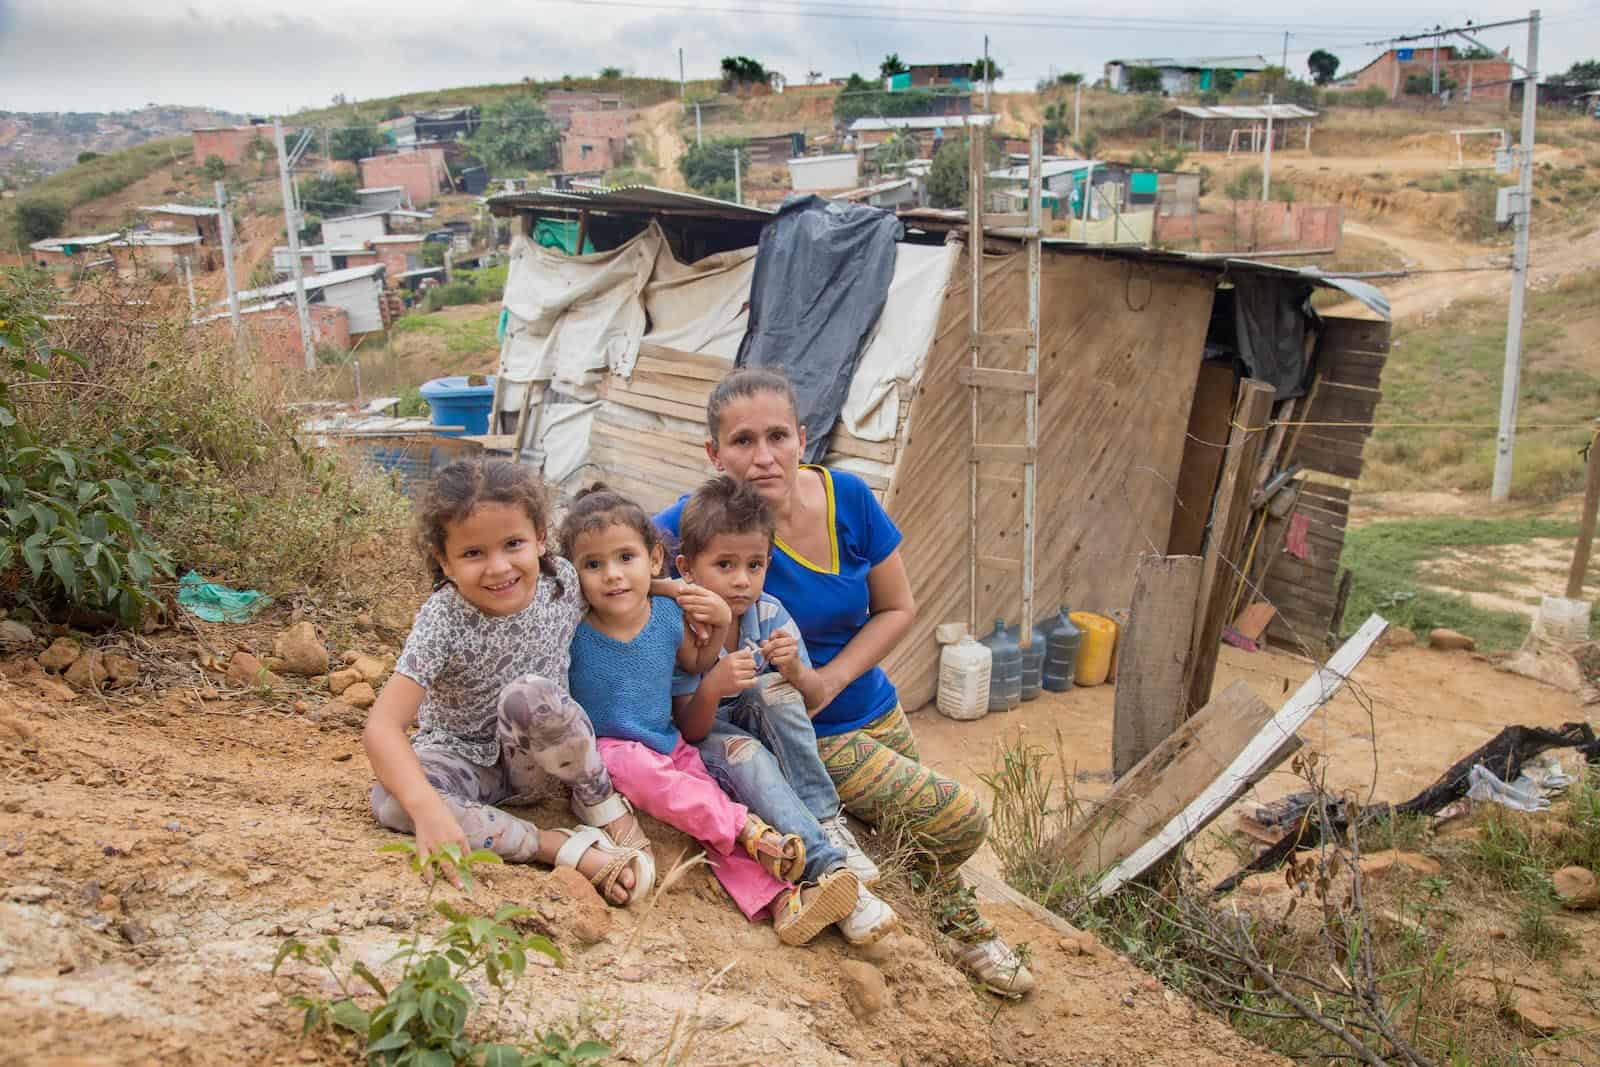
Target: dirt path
159, 847
660, 132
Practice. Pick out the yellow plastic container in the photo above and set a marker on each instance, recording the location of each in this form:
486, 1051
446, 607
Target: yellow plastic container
1095, 649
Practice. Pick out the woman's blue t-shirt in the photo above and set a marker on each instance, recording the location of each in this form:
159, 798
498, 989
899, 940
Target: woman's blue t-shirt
829, 598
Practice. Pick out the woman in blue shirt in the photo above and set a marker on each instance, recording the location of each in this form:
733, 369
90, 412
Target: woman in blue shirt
836, 567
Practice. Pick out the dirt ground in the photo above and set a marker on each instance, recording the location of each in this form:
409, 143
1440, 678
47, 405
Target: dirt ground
160, 843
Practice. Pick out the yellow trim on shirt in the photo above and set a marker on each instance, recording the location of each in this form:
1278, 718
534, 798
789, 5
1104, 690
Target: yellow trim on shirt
833, 529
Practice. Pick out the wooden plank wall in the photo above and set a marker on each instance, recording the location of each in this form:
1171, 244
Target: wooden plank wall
1120, 347
1350, 359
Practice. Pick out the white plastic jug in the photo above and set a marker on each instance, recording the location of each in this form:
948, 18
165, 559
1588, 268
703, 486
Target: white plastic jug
1563, 620
964, 679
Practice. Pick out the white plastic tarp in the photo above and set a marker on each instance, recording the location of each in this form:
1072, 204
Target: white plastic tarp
900, 341
699, 307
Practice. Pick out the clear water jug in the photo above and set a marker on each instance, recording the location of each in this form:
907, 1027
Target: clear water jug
1061, 640
964, 672
1005, 674
1032, 661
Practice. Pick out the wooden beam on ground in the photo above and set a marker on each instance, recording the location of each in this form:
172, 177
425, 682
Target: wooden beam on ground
1173, 778
1222, 565
1153, 658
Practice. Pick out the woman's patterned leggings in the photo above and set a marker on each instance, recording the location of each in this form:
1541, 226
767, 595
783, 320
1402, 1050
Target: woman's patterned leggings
543, 735
881, 782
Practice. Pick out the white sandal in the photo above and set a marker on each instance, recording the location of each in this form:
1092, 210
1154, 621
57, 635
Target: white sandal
608, 811
618, 858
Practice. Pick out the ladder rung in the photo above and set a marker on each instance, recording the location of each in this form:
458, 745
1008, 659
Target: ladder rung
986, 378
1004, 453
1004, 219
1000, 563
1023, 233
1011, 335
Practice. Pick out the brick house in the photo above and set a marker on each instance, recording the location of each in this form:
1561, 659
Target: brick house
398, 252
1481, 79
594, 140
204, 222
230, 143
274, 330
421, 173
562, 104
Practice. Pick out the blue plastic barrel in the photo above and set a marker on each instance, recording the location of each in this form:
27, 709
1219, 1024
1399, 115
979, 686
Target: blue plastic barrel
455, 403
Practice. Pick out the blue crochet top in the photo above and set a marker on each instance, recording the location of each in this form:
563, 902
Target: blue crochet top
626, 686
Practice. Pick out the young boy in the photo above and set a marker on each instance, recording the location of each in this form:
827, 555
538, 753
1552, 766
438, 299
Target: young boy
758, 694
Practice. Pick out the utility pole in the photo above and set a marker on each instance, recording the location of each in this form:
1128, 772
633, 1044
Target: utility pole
738, 189
291, 222
698, 140
1266, 159
188, 279
988, 82
683, 86
226, 218
1510, 383
1286, 36
1436, 40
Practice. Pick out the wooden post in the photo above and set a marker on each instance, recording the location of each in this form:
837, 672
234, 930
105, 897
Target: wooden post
1229, 522
1153, 660
1591, 501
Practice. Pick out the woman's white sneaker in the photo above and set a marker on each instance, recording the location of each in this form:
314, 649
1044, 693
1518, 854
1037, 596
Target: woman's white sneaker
870, 922
996, 966
860, 864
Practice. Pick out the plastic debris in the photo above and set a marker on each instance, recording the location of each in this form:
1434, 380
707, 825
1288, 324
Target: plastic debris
218, 603
1521, 795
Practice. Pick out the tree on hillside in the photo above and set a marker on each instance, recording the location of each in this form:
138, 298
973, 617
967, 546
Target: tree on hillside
358, 140
1585, 73
214, 168
1224, 82
708, 168
949, 175
1057, 125
329, 194
393, 111
515, 135
1323, 66
994, 71
1144, 80
38, 219
891, 65
1476, 51
741, 70
609, 73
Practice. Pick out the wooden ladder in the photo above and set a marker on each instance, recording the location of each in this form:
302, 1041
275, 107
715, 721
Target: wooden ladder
1029, 227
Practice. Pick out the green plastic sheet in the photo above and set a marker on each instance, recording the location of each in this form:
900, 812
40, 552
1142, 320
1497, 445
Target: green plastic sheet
218, 603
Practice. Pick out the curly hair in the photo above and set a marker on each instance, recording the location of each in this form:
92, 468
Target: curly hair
600, 506
722, 505
461, 488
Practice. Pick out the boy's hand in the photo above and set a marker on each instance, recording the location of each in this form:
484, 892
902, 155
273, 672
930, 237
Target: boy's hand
783, 652
734, 673
704, 607
436, 827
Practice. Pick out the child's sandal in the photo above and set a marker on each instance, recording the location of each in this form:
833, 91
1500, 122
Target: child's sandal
785, 861
608, 811
798, 919
618, 859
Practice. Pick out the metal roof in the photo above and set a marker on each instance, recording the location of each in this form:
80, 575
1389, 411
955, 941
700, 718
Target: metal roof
872, 190
355, 215
1257, 112
1199, 62
1047, 169
56, 244
627, 199
395, 238
316, 281
157, 240
181, 209
918, 122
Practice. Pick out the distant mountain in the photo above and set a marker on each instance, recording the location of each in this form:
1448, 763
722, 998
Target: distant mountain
34, 145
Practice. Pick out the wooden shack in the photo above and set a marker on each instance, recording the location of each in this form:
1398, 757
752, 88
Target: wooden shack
1125, 395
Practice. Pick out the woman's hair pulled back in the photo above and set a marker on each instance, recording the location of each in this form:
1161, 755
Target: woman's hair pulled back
742, 384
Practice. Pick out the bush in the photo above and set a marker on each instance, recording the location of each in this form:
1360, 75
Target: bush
358, 140
329, 194
708, 168
1144, 79
214, 168
39, 219
85, 157
861, 98
949, 176
741, 70
516, 135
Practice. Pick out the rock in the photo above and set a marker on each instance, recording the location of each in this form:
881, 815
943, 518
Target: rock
51, 689
122, 669
1396, 637
1450, 641
339, 681
1383, 864
301, 650
61, 654
371, 668
338, 713
88, 671
864, 988
349, 656
1531, 1012
13, 633
30, 894
577, 906
133, 932
364, 620
247, 671
1577, 888
360, 695
1083, 943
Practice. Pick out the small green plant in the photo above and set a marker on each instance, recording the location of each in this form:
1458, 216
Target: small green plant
422, 1021
214, 168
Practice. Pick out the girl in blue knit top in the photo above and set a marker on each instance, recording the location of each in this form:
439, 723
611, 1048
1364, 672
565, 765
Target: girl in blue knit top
622, 659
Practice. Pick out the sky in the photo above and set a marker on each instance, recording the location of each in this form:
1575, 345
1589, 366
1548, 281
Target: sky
257, 57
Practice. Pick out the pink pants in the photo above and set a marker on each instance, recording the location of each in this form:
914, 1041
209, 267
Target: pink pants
678, 790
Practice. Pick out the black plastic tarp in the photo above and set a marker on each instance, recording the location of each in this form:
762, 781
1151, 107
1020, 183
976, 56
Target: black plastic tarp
1272, 317
823, 269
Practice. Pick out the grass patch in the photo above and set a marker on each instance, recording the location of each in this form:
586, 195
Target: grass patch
99, 177
1448, 372
1385, 557
461, 336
